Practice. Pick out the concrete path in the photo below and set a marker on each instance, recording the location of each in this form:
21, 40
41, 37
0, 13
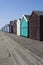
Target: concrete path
32, 45
24, 51
5, 57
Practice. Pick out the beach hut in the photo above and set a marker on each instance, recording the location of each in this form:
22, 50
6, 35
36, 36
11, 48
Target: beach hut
3, 28
18, 26
15, 27
24, 26
7, 28
11, 26
36, 25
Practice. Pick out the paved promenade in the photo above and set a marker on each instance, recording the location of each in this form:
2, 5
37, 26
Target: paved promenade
15, 50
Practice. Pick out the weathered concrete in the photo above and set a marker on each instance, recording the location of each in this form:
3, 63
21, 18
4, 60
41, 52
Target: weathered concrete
5, 57
25, 51
32, 45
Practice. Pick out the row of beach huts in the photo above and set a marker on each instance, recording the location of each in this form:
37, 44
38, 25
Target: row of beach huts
30, 26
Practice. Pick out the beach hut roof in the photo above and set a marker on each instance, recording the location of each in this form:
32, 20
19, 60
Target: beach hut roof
39, 12
27, 16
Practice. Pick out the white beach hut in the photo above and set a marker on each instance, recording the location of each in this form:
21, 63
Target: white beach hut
18, 26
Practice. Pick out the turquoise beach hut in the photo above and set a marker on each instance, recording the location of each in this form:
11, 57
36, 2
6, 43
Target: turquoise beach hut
24, 26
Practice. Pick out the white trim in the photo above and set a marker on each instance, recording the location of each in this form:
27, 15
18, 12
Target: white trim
18, 20
24, 17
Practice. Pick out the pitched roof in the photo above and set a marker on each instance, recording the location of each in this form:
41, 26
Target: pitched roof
11, 22
39, 12
15, 21
27, 16
19, 19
